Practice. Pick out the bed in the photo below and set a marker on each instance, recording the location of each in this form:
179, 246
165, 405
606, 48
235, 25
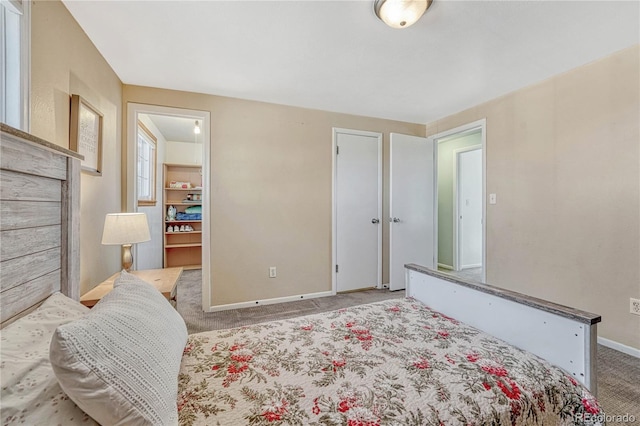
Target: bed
394, 362
419, 360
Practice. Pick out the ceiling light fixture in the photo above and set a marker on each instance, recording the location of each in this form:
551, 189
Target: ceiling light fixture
400, 13
196, 129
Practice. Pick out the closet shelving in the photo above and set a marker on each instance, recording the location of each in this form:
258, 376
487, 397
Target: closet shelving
182, 189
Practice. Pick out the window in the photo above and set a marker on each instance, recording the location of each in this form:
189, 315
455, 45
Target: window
146, 166
14, 62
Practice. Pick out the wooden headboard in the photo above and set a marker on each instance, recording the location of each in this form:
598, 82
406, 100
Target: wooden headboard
39, 222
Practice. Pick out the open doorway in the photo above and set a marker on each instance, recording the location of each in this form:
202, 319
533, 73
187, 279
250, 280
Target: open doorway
166, 139
461, 205
158, 136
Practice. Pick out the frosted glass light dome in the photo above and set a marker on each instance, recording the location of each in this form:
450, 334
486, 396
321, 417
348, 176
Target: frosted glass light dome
400, 13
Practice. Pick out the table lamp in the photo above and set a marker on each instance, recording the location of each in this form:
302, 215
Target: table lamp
125, 229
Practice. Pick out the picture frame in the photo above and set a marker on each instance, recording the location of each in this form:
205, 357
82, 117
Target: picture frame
85, 134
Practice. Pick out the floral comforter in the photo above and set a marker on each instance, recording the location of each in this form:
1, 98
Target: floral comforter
389, 363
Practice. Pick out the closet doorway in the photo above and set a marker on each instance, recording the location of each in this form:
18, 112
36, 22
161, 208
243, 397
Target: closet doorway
357, 210
157, 135
461, 201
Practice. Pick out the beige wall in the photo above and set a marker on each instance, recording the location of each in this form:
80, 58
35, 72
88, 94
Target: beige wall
183, 152
271, 191
65, 62
563, 158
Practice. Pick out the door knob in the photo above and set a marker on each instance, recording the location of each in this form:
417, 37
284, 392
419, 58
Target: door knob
375, 220
395, 220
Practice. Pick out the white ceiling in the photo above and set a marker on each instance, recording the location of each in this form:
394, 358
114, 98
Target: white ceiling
175, 129
337, 56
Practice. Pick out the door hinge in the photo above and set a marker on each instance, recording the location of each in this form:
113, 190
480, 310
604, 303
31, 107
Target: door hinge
336, 268
337, 150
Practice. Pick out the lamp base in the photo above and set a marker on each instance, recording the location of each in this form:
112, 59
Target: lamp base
127, 257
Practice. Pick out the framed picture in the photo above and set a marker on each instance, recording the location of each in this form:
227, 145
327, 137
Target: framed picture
86, 134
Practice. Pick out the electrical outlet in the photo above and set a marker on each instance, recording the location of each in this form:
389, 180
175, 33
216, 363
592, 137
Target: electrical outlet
272, 272
634, 306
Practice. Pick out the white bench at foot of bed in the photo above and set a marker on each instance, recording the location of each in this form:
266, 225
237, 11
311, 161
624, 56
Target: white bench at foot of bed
564, 336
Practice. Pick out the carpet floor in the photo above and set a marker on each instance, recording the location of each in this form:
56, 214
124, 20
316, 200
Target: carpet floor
618, 373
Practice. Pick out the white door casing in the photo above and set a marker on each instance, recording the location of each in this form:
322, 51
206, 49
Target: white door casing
469, 207
412, 205
357, 250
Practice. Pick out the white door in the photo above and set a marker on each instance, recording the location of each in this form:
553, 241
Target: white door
412, 194
469, 179
358, 209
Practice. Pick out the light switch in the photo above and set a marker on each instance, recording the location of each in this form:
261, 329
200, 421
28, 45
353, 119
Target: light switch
492, 198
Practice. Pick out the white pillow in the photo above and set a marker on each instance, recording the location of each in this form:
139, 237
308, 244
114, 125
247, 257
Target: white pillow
120, 362
30, 391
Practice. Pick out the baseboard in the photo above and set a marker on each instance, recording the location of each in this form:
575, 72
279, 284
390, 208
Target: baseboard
629, 350
240, 305
475, 265
444, 266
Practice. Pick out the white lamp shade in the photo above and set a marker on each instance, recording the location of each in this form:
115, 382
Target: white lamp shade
400, 13
125, 228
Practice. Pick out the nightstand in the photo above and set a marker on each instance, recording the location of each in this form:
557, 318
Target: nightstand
165, 280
